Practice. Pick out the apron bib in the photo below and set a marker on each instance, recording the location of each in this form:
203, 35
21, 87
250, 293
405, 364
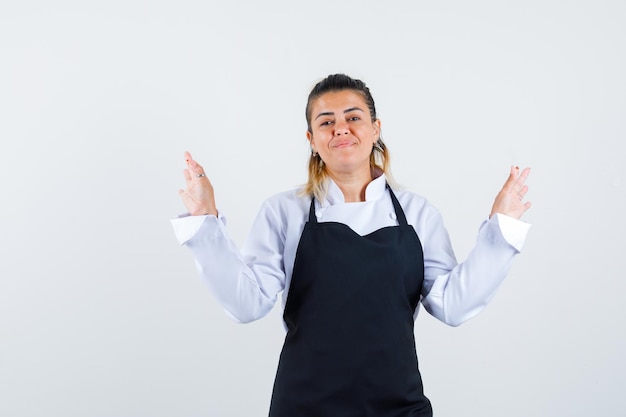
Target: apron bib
350, 346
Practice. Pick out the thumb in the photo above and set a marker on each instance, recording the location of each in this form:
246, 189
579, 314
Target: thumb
512, 175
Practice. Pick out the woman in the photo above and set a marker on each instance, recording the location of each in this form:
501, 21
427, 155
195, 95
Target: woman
353, 259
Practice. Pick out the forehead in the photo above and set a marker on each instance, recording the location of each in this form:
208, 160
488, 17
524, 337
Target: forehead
335, 101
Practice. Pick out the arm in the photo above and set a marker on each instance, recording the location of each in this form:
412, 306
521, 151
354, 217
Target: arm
246, 286
455, 292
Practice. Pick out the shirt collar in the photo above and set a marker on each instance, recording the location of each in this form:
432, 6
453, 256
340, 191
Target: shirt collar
373, 191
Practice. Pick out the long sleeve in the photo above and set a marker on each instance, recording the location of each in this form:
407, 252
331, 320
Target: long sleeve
246, 286
453, 292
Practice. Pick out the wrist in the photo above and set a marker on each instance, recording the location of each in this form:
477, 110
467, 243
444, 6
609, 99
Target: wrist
205, 212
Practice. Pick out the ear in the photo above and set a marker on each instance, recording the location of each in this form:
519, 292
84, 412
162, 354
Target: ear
376, 125
309, 137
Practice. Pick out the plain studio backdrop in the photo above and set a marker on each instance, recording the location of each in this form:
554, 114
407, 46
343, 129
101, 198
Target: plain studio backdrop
102, 313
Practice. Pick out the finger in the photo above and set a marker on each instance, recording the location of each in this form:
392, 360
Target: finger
196, 169
187, 175
523, 192
521, 179
512, 177
188, 157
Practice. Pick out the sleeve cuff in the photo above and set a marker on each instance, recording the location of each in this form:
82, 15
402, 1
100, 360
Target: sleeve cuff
186, 226
513, 230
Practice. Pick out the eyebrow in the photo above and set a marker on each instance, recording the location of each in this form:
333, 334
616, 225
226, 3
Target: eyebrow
330, 113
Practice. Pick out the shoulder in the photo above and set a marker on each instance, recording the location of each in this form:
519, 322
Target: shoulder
288, 204
419, 212
284, 214
414, 202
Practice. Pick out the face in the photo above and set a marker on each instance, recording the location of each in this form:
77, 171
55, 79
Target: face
343, 132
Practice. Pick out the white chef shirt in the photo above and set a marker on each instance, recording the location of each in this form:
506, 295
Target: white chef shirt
247, 282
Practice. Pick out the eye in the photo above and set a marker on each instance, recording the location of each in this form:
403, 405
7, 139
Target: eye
326, 123
354, 118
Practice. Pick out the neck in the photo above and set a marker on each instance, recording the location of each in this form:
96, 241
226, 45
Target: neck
352, 185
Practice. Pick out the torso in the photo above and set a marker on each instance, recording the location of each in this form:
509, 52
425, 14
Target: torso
349, 350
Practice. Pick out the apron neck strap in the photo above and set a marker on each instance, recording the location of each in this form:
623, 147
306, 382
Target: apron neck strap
312, 216
396, 206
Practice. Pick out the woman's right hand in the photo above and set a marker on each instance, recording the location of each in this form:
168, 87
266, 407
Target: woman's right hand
198, 197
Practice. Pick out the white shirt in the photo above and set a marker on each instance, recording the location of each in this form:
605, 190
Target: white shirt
248, 282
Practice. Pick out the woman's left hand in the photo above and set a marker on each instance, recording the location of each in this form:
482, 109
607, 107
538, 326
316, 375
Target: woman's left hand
510, 199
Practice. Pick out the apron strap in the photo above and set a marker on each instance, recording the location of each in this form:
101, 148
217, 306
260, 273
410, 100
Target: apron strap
312, 216
396, 206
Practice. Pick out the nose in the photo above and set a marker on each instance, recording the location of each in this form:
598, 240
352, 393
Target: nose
341, 129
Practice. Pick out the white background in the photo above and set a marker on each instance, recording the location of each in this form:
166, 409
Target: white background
101, 312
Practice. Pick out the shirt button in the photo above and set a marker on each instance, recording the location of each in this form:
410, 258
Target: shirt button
319, 214
393, 216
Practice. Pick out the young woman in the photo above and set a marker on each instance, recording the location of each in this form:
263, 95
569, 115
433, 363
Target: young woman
353, 258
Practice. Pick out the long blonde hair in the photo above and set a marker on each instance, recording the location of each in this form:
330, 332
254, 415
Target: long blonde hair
379, 157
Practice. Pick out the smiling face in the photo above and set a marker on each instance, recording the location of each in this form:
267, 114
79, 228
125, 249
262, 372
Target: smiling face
343, 133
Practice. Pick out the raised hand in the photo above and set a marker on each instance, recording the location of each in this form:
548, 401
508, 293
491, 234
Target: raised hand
198, 197
510, 199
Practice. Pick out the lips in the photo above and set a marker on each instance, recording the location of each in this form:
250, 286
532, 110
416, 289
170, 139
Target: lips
343, 144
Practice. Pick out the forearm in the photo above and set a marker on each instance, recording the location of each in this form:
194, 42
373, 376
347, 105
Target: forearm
465, 290
221, 266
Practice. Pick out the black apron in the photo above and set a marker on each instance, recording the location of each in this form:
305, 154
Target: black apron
350, 347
